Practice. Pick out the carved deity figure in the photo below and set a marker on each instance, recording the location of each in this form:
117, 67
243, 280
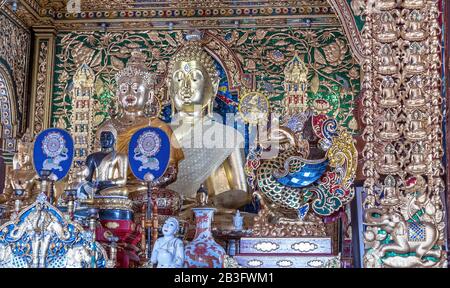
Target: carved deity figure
212, 150
415, 129
22, 182
389, 130
168, 251
387, 32
417, 163
390, 192
414, 56
387, 64
414, 27
388, 93
134, 95
416, 97
388, 163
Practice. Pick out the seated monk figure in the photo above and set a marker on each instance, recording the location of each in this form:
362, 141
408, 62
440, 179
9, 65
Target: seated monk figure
134, 95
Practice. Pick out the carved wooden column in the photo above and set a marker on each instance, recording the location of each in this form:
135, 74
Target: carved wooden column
404, 207
446, 25
42, 78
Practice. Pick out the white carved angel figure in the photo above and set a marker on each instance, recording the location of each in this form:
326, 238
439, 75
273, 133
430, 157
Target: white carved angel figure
168, 251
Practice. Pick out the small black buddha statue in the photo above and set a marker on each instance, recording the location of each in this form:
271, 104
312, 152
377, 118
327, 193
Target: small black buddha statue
106, 168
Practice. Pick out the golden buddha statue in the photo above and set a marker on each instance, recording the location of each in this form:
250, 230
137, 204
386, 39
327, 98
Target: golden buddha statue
387, 64
388, 130
212, 150
22, 182
414, 27
390, 191
417, 163
134, 95
414, 56
415, 130
388, 163
387, 32
416, 97
413, 4
388, 93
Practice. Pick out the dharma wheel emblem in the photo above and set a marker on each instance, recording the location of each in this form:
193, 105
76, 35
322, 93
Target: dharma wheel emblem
53, 144
254, 107
149, 144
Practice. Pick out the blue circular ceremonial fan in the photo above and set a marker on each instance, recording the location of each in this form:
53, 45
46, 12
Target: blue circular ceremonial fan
149, 153
53, 153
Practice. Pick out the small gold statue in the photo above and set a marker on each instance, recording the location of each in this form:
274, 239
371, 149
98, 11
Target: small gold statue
388, 129
388, 93
416, 96
414, 56
107, 169
388, 163
387, 64
209, 158
390, 191
22, 182
413, 27
417, 164
415, 130
387, 32
134, 95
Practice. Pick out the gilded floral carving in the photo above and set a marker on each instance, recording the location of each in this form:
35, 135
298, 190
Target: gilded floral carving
41, 86
14, 48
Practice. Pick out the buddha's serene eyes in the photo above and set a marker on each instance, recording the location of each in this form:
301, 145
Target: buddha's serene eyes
123, 88
135, 87
197, 75
178, 76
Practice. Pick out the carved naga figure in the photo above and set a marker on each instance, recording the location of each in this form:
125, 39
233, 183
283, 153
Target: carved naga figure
293, 182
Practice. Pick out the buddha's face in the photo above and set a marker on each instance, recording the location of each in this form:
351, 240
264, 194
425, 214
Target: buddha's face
107, 139
133, 93
22, 154
190, 86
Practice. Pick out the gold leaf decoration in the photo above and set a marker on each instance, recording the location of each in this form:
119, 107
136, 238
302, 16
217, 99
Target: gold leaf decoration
170, 41
353, 124
99, 86
98, 119
319, 58
154, 36
97, 60
315, 83
116, 63
242, 39
260, 34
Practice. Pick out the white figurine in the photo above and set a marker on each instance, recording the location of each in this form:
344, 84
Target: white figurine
168, 251
238, 221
